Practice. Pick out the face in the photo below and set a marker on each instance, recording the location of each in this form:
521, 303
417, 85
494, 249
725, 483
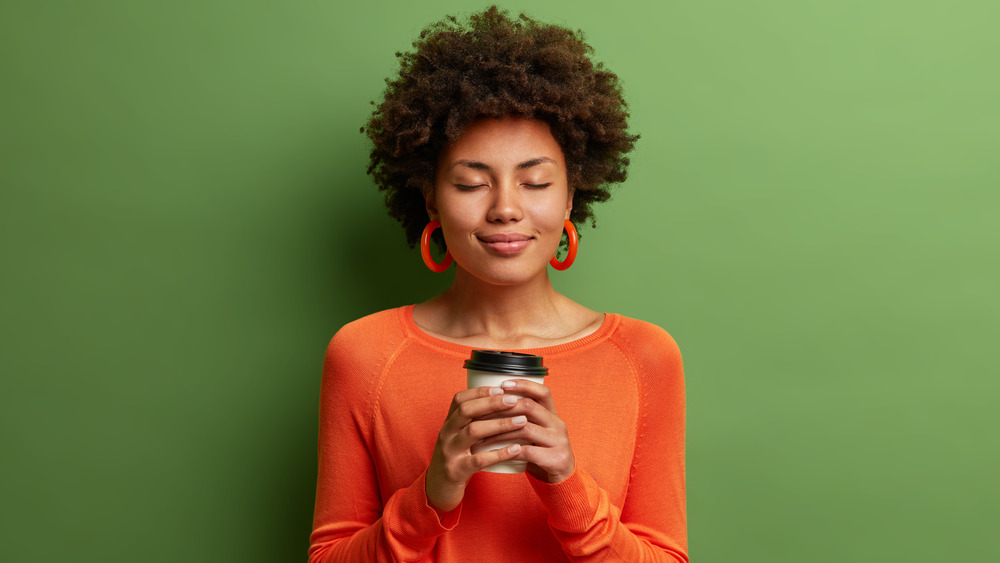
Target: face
501, 195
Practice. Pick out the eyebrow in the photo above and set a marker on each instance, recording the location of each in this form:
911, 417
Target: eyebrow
477, 165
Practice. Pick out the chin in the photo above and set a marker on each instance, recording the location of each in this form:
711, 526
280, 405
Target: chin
506, 274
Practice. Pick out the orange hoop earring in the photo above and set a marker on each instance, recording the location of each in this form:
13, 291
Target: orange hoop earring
571, 252
425, 249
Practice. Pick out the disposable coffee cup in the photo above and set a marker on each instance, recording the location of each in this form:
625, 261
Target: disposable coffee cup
490, 368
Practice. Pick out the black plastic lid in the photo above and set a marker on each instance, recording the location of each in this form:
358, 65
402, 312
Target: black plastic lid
510, 363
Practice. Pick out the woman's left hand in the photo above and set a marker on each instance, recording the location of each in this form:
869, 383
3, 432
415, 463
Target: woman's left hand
548, 453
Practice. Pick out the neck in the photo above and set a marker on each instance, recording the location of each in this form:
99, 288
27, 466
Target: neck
502, 316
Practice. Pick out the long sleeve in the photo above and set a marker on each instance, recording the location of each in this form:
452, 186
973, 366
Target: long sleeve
385, 393
350, 521
651, 525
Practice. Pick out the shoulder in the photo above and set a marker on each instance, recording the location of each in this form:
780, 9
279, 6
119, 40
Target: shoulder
363, 344
365, 329
645, 341
656, 361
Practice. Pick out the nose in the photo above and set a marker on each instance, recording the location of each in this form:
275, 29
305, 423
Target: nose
506, 204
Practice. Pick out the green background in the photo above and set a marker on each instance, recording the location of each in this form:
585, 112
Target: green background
185, 221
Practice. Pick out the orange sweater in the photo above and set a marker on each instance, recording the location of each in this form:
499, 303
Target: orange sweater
385, 394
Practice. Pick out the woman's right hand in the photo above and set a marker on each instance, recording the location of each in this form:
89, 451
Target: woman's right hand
470, 419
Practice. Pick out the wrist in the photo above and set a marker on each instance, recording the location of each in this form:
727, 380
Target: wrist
552, 475
447, 513
439, 497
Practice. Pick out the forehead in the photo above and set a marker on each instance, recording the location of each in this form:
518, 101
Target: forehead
506, 141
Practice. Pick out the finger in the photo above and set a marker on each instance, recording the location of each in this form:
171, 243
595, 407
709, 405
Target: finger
480, 407
557, 463
483, 460
476, 393
470, 394
526, 388
541, 436
537, 414
529, 433
482, 431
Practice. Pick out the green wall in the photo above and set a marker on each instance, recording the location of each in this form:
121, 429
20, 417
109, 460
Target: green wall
185, 220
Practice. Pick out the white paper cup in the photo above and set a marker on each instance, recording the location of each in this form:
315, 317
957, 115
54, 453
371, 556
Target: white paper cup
490, 368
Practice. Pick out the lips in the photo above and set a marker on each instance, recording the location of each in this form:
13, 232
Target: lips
508, 237
506, 243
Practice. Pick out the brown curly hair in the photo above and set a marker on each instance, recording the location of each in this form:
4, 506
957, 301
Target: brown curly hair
495, 66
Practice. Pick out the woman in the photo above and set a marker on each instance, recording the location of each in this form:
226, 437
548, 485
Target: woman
502, 133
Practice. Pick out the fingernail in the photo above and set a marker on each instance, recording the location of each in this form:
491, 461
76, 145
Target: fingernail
495, 390
509, 399
519, 419
514, 449
509, 384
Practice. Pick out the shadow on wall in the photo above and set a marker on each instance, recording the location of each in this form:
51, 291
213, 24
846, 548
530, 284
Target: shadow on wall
356, 262
379, 270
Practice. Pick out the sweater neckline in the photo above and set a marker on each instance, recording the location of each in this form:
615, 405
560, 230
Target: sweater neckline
414, 332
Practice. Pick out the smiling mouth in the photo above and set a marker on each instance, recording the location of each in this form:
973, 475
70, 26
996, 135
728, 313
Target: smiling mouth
506, 243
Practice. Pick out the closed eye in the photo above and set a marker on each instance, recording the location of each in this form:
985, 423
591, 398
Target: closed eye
468, 187
539, 185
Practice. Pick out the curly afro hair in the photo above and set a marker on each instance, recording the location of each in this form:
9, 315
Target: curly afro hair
495, 66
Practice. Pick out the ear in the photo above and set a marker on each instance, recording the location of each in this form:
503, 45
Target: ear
569, 202
430, 204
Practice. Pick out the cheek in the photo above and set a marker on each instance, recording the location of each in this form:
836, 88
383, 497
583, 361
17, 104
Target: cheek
456, 226
453, 211
552, 213
456, 219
